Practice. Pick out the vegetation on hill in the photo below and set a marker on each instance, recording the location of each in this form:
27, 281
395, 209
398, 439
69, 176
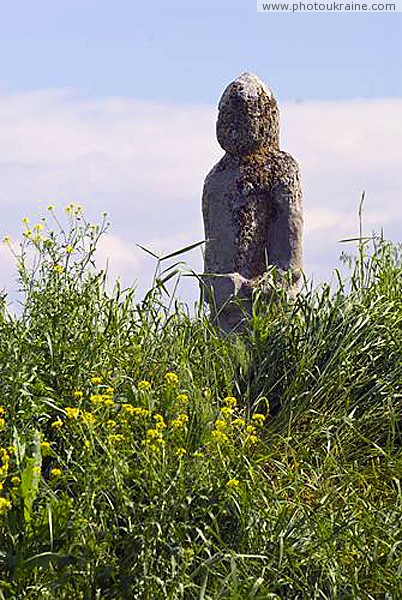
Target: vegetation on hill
145, 456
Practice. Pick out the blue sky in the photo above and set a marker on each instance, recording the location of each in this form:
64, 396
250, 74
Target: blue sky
113, 106
184, 51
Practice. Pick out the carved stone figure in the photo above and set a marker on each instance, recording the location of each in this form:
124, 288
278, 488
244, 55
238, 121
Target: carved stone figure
252, 203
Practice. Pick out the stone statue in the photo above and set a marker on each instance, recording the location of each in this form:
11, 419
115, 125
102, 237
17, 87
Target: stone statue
252, 204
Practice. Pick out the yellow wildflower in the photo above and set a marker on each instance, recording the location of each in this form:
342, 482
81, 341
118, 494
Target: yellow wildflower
58, 268
172, 378
78, 394
219, 436
116, 437
55, 472
198, 455
57, 424
154, 436
4, 505
111, 423
180, 422
96, 380
15, 480
25, 220
230, 401
88, 417
160, 422
4, 454
232, 484
50, 207
138, 411
2, 411
72, 412
144, 385
182, 398
181, 452
12, 449
220, 424
107, 401
109, 391
226, 411
238, 422
87, 444
141, 412
258, 418
1, 486
6, 240
96, 399
45, 447
36, 470
250, 429
2, 423
251, 439
69, 249
73, 209
38, 227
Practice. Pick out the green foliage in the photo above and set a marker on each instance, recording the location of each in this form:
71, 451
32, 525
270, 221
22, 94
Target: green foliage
30, 475
143, 455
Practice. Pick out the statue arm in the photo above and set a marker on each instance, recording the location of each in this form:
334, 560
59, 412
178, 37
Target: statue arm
285, 217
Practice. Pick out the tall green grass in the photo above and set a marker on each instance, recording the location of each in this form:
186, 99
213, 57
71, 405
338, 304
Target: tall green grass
144, 455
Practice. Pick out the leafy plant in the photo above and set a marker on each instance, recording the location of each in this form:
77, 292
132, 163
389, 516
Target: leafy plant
145, 455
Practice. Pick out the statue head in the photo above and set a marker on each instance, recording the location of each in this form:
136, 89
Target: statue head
248, 117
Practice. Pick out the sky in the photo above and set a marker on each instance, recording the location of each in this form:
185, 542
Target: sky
113, 106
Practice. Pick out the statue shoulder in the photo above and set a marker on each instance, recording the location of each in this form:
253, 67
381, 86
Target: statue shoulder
223, 168
284, 161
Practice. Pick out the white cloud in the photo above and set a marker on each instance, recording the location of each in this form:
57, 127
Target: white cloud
7, 263
145, 164
117, 256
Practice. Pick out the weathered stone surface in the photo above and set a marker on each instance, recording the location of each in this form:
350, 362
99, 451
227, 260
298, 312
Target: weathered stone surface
248, 117
252, 202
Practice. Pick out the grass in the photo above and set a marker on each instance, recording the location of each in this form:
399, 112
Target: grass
145, 456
